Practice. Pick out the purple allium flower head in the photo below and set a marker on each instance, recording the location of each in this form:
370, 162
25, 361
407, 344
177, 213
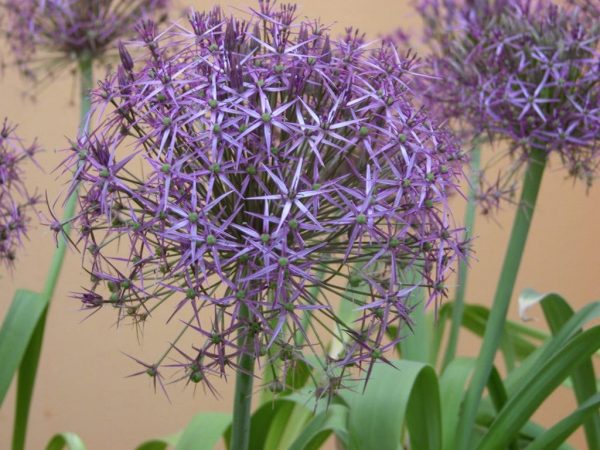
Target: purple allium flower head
15, 201
241, 165
524, 71
52, 33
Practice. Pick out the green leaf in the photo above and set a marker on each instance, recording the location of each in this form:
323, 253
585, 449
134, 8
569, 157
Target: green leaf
69, 441
452, 391
26, 382
517, 337
203, 432
347, 313
555, 436
415, 346
496, 389
551, 346
285, 430
407, 394
161, 443
314, 293
537, 386
439, 321
531, 431
263, 418
557, 312
19, 324
157, 444
316, 432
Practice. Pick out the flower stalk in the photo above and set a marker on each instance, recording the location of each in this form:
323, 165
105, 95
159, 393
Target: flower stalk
242, 402
86, 84
504, 291
23, 402
458, 308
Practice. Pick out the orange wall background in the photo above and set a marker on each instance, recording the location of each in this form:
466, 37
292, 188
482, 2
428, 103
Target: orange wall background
81, 380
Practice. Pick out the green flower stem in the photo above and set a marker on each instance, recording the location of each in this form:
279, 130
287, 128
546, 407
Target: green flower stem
495, 325
85, 69
242, 401
458, 308
26, 378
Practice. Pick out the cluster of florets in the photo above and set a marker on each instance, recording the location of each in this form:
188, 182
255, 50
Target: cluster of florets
64, 30
526, 72
15, 201
253, 173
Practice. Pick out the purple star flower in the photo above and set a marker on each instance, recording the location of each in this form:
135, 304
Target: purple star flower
526, 72
54, 33
245, 172
15, 201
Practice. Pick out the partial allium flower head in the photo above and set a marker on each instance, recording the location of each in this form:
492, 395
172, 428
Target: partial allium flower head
48, 34
15, 201
525, 72
248, 171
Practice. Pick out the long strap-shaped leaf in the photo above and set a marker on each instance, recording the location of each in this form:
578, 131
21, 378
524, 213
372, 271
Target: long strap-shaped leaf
589, 312
269, 414
416, 345
534, 431
26, 382
316, 432
542, 382
452, 391
69, 441
553, 438
202, 433
522, 339
19, 324
407, 394
557, 312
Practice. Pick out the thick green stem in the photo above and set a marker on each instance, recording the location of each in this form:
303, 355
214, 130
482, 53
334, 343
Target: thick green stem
26, 379
458, 308
242, 401
495, 325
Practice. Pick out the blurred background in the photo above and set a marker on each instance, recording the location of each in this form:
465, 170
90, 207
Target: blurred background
82, 385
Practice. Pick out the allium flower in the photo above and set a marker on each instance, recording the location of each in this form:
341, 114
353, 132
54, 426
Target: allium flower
526, 72
52, 33
15, 201
243, 164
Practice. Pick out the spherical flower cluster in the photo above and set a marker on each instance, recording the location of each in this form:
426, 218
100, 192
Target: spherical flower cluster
15, 201
64, 30
249, 171
523, 71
